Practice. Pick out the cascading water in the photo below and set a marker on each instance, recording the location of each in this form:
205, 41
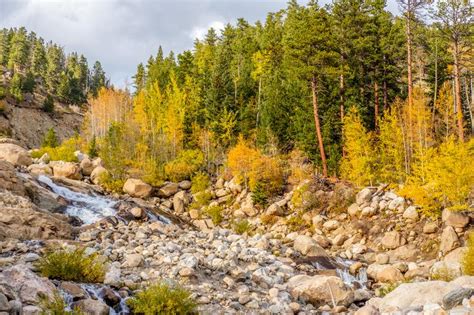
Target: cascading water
88, 208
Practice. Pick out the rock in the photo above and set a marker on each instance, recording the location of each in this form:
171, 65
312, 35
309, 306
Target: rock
45, 158
66, 169
389, 274
80, 156
339, 239
355, 267
14, 154
98, 174
138, 213
86, 166
411, 213
308, 246
31, 310
40, 169
74, 290
134, 260
368, 211
367, 310
137, 188
248, 207
112, 276
382, 259
430, 228
45, 198
275, 209
110, 297
443, 269
449, 240
179, 201
185, 184
9, 179
320, 290
353, 210
456, 296
455, 219
4, 305
331, 225
391, 240
27, 284
31, 257
222, 192
92, 307
168, 190
364, 196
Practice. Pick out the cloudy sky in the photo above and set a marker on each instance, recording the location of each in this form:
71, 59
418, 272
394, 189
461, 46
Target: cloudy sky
122, 33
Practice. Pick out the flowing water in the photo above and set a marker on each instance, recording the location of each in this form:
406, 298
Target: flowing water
88, 208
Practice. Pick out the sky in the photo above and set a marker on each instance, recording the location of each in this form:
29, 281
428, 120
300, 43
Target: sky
123, 33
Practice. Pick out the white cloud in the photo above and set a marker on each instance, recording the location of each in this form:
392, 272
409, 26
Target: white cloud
200, 32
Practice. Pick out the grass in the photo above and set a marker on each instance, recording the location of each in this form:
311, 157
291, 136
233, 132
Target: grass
468, 258
201, 199
242, 226
443, 274
215, 213
268, 219
72, 265
296, 222
57, 306
163, 298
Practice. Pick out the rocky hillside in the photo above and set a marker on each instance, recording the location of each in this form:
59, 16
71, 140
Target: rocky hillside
320, 247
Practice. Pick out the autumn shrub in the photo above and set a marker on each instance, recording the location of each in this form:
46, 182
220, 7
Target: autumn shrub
57, 306
215, 213
443, 178
268, 219
444, 274
260, 195
468, 258
300, 167
200, 182
163, 298
110, 183
296, 222
201, 199
185, 165
72, 265
50, 139
63, 152
251, 167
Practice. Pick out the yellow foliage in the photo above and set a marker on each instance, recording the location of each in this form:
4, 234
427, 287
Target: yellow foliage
358, 163
468, 258
64, 152
444, 178
183, 167
251, 167
300, 167
445, 119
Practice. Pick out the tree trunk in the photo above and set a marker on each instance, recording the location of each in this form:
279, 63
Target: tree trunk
385, 95
341, 105
469, 102
376, 104
314, 86
409, 60
457, 83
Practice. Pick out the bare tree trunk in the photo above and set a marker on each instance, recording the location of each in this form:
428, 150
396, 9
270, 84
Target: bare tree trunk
469, 103
314, 86
341, 104
409, 60
457, 83
435, 96
385, 95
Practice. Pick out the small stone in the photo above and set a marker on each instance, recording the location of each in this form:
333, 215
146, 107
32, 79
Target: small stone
30, 257
186, 272
295, 307
244, 299
382, 259
430, 228
455, 219
354, 268
273, 292
411, 213
134, 260
391, 240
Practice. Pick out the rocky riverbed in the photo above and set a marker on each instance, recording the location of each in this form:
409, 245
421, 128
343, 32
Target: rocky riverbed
364, 252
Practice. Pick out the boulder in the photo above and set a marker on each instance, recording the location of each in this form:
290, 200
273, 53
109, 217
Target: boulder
331, 225
449, 240
275, 209
410, 213
137, 188
112, 276
367, 310
9, 179
29, 287
45, 158
320, 290
384, 273
15, 154
168, 190
86, 166
353, 210
137, 213
134, 260
430, 228
456, 296
40, 169
455, 219
180, 200
74, 290
92, 307
391, 240
66, 169
44, 198
308, 246
364, 196
248, 207
97, 174
185, 184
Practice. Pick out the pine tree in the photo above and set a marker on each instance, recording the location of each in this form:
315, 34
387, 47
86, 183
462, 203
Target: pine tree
50, 139
18, 57
139, 78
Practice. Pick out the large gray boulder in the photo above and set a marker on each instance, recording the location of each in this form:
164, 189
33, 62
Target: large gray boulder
15, 154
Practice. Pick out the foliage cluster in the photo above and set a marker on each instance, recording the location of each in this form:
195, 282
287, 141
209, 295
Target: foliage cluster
57, 306
468, 259
72, 265
163, 298
185, 165
63, 152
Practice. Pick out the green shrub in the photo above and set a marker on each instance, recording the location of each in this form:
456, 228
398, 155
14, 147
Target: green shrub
57, 306
3, 93
296, 222
444, 274
215, 213
200, 182
268, 219
111, 184
28, 84
72, 265
185, 165
260, 195
468, 258
163, 299
242, 226
48, 104
15, 87
92, 150
50, 139
201, 199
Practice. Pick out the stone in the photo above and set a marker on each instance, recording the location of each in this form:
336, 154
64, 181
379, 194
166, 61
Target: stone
367, 310
320, 290
248, 207
449, 240
138, 213
137, 188
98, 174
430, 228
339, 239
86, 166
179, 202
389, 274
9, 179
275, 209
110, 297
31, 257
66, 169
15, 154
444, 269
368, 211
134, 260
45, 158
74, 290
355, 267
455, 219
4, 305
185, 184
382, 259
194, 214
353, 210
411, 213
92, 307
391, 240
331, 225
364, 196
40, 169
308, 246
112, 277
168, 190
456, 296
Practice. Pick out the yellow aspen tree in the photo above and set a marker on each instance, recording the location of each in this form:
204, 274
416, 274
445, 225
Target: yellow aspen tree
445, 116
